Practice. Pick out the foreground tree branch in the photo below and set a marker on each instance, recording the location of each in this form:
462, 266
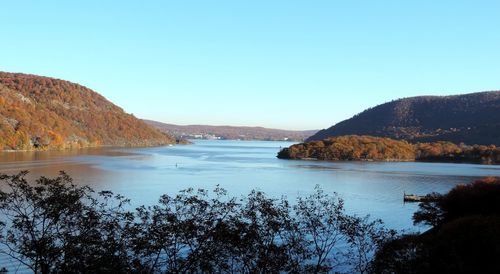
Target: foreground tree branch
54, 226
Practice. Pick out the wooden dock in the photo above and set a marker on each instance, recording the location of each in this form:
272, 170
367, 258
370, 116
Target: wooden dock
412, 198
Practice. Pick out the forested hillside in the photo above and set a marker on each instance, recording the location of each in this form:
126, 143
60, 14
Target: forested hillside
368, 148
44, 113
471, 118
351, 148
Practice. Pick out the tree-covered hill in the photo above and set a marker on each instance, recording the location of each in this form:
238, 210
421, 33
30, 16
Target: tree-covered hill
351, 148
369, 148
44, 113
471, 118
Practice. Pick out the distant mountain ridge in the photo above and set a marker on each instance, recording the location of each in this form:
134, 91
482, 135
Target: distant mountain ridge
39, 112
470, 118
231, 132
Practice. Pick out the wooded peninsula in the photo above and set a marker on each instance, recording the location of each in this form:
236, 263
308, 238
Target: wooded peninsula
369, 148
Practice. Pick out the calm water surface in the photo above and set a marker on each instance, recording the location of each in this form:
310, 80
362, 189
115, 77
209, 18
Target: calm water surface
144, 174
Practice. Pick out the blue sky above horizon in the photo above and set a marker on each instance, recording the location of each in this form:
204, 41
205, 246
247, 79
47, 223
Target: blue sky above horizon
283, 64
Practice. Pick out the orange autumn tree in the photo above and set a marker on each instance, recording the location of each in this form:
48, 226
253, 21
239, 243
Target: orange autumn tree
57, 140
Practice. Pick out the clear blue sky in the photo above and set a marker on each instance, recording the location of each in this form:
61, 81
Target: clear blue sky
284, 64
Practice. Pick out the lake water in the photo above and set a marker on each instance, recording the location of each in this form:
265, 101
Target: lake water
143, 174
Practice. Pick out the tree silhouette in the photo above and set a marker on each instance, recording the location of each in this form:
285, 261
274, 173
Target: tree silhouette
54, 226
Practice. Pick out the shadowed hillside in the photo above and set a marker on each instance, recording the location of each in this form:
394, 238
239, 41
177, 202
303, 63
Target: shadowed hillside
472, 118
44, 113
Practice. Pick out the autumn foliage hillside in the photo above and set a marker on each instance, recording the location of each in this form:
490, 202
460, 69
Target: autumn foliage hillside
369, 148
351, 148
45, 113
